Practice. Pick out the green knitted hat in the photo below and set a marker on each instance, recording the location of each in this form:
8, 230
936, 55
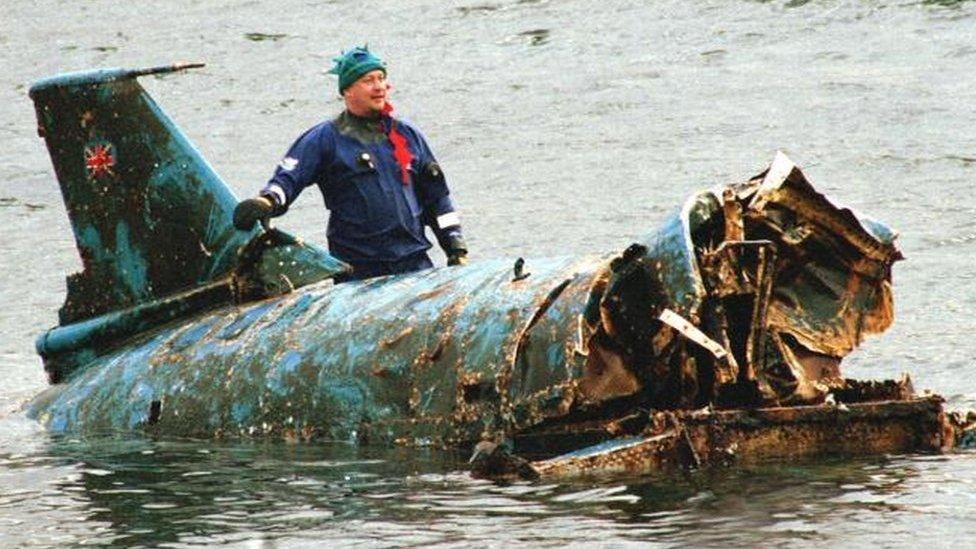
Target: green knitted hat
354, 63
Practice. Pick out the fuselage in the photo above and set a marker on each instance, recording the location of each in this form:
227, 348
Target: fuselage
440, 355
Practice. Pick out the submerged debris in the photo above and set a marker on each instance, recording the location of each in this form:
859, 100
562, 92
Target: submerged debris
493, 460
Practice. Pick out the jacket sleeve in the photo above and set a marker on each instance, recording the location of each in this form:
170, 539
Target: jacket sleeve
438, 210
302, 166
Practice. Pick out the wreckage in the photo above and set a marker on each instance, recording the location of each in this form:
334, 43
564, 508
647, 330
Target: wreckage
716, 338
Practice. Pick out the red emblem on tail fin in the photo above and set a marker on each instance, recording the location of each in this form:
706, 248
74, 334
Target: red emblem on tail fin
99, 160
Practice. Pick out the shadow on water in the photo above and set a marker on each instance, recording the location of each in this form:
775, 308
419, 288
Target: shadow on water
160, 491
151, 492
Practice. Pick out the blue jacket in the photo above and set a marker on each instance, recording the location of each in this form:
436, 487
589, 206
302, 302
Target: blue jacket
374, 216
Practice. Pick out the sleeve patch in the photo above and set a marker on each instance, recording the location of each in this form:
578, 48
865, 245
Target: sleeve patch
450, 219
288, 163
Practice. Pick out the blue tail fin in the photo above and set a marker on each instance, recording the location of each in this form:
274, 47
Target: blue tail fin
150, 216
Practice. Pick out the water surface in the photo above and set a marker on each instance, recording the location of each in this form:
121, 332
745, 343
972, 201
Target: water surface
564, 127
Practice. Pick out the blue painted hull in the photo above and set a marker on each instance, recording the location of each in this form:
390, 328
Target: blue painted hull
429, 355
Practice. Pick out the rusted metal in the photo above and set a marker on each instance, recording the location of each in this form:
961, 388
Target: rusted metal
717, 337
691, 439
732, 210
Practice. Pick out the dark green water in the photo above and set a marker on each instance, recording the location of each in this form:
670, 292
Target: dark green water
564, 127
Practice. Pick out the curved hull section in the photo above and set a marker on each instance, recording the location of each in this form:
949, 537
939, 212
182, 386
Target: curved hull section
444, 354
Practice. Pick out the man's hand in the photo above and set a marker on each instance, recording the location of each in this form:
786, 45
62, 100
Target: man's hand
250, 211
456, 249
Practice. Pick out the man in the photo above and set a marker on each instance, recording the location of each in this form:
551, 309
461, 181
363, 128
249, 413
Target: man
380, 180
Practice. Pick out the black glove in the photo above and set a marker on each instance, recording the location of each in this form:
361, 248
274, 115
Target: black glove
252, 210
456, 250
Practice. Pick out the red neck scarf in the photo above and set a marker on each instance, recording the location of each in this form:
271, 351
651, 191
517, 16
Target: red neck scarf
401, 149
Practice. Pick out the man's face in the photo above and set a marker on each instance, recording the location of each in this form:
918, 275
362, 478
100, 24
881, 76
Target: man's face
366, 96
